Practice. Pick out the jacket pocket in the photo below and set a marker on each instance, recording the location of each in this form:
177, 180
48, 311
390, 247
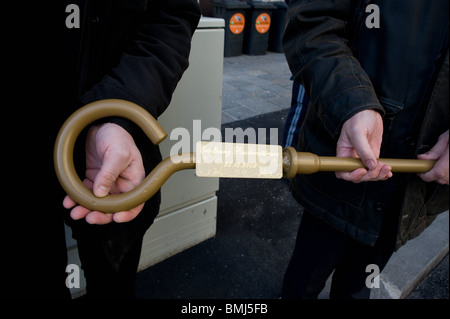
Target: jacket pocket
391, 107
335, 189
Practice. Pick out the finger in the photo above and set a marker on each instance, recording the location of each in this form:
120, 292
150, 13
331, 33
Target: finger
440, 170
436, 152
353, 176
126, 216
111, 168
79, 212
364, 151
386, 172
68, 202
442, 181
380, 173
431, 154
426, 156
439, 173
429, 176
98, 218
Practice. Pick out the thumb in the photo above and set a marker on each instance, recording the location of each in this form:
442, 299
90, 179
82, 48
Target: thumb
433, 154
364, 151
103, 183
112, 167
102, 190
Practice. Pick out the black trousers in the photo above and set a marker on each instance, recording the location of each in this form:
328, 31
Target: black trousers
110, 254
105, 282
321, 249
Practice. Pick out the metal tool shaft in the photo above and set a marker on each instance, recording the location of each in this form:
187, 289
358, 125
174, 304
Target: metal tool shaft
307, 163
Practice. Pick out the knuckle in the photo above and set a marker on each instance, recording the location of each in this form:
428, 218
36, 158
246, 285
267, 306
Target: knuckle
109, 176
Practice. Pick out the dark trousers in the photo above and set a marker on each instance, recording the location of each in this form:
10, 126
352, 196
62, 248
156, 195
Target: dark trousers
321, 249
110, 254
103, 280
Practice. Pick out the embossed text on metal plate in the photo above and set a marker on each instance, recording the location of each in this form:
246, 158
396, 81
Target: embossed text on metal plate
238, 160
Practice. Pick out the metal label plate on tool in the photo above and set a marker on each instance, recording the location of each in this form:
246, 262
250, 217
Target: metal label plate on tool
238, 160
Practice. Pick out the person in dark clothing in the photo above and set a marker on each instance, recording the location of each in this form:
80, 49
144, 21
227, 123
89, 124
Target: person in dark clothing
135, 50
374, 92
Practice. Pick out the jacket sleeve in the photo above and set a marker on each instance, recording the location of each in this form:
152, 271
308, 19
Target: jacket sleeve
151, 67
316, 48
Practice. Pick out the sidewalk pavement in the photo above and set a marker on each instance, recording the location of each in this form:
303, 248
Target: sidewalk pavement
257, 220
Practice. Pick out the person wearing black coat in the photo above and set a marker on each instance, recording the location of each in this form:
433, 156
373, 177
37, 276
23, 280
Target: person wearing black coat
59, 57
376, 90
135, 50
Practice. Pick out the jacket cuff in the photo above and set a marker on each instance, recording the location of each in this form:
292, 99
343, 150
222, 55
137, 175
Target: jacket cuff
104, 91
347, 104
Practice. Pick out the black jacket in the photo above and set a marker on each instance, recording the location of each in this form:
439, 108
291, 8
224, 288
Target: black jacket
135, 50
400, 70
43, 63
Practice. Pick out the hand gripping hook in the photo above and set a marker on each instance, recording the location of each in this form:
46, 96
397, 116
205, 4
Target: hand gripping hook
65, 169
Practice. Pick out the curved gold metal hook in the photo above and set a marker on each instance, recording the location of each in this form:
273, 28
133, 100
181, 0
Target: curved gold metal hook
65, 169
